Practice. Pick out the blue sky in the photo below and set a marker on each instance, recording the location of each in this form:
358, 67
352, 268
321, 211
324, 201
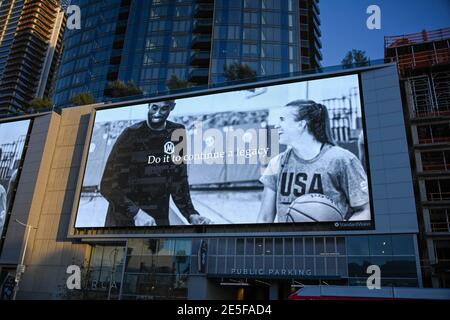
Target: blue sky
344, 24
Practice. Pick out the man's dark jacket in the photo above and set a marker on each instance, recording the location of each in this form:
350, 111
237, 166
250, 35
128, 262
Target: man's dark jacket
130, 183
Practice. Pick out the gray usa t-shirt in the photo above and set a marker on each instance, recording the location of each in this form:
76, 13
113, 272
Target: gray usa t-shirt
334, 172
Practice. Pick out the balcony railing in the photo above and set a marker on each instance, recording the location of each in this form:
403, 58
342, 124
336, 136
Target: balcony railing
201, 42
414, 38
434, 140
203, 10
436, 167
440, 220
438, 196
200, 58
202, 26
423, 59
431, 114
199, 75
318, 20
316, 7
440, 226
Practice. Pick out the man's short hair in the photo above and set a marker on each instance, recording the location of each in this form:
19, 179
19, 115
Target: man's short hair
171, 103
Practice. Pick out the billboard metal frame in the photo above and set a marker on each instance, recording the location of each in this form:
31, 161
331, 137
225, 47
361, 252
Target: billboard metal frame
228, 230
19, 169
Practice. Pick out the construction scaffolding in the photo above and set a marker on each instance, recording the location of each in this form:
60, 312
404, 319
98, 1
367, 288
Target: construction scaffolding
419, 50
423, 60
429, 94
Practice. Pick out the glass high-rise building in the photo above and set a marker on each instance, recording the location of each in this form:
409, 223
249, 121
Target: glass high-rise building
31, 34
10, 15
150, 42
270, 36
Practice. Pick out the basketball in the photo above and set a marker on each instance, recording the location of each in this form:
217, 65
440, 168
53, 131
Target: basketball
313, 207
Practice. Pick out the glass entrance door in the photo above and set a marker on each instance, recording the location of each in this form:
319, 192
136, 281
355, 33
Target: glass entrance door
105, 272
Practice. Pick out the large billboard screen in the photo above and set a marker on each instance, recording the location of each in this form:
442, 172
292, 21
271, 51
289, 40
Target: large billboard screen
285, 153
13, 137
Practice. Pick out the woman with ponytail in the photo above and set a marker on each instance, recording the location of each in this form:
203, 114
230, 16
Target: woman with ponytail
312, 164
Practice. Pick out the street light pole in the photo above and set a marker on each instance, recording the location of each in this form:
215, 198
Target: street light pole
20, 269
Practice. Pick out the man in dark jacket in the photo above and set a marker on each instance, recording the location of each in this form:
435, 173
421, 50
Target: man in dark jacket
140, 174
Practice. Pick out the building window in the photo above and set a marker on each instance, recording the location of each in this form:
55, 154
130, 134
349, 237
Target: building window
157, 269
178, 57
299, 262
434, 133
442, 250
240, 247
222, 247
299, 246
259, 247
181, 26
253, 4
271, 51
319, 246
309, 246
271, 18
234, 32
183, 11
380, 245
268, 246
396, 267
435, 161
362, 282
278, 246
150, 73
251, 34
403, 245
437, 190
249, 246
440, 220
340, 246
251, 18
231, 246
288, 247
249, 50
395, 255
357, 266
104, 276
271, 34
180, 41
320, 266
212, 246
358, 246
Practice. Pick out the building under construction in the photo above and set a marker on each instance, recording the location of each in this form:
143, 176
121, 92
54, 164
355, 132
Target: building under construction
424, 65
